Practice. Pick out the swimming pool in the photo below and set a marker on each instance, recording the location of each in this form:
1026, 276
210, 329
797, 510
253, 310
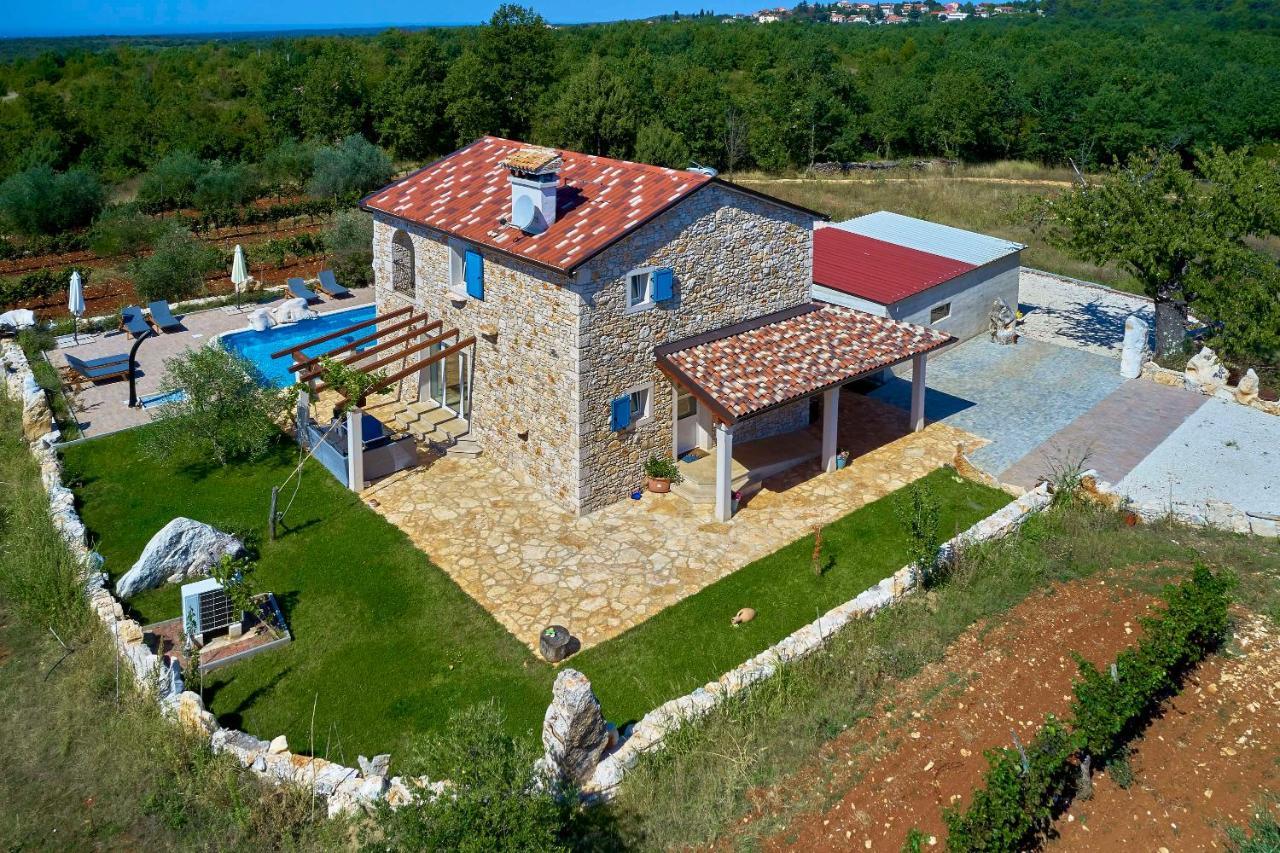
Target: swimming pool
258, 346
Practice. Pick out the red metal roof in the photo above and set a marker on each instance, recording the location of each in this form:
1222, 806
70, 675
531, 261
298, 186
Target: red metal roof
744, 372
599, 201
875, 270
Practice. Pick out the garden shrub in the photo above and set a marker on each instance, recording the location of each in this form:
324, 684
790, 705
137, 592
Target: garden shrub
123, 230
176, 269
1018, 799
918, 512
228, 412
492, 804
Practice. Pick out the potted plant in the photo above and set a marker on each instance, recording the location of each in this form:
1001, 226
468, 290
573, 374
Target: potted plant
842, 459
662, 472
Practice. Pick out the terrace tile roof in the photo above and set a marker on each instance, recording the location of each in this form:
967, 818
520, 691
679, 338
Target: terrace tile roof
789, 356
877, 270
599, 201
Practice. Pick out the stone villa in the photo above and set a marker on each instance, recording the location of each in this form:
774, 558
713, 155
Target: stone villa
620, 311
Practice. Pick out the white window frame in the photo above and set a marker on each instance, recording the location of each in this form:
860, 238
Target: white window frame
457, 272
639, 419
648, 302
946, 316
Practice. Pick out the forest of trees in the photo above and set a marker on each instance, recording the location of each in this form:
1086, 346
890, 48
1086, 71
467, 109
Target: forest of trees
1093, 81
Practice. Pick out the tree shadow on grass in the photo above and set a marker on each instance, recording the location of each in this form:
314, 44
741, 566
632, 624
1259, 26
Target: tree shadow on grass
234, 717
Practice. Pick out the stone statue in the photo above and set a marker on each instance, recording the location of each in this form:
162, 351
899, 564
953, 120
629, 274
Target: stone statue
1204, 372
1003, 323
1134, 351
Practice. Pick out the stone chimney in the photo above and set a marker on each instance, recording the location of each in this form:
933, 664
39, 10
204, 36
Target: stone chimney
535, 177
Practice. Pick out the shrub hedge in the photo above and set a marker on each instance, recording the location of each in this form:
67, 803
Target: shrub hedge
1022, 792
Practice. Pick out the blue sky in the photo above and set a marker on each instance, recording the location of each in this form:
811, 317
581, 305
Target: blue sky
86, 17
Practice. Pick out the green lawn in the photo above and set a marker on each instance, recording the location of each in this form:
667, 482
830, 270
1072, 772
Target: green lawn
386, 644
692, 642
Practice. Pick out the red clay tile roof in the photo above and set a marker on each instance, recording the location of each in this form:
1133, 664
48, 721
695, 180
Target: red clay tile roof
746, 372
600, 200
873, 269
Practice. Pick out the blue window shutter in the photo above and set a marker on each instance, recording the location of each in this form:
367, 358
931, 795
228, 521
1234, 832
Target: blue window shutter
620, 410
473, 270
662, 284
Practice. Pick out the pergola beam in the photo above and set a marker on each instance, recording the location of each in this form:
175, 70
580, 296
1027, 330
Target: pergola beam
419, 365
421, 345
396, 313
311, 362
381, 347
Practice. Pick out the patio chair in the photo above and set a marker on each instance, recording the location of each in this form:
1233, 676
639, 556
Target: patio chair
98, 370
330, 285
299, 289
133, 322
162, 317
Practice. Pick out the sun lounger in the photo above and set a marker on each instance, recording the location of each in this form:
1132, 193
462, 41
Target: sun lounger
162, 318
118, 358
96, 371
132, 321
299, 289
330, 285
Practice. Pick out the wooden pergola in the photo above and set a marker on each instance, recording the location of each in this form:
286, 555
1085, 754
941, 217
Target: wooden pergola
403, 336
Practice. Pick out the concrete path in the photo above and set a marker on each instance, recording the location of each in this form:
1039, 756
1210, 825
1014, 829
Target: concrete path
1016, 396
1078, 314
102, 409
1222, 452
1112, 437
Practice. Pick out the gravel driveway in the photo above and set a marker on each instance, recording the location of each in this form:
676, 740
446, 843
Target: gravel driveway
1077, 314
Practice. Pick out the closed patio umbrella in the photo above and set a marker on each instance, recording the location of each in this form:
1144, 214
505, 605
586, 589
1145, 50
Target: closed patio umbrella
239, 271
75, 303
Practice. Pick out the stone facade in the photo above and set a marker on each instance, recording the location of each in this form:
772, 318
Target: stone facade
567, 345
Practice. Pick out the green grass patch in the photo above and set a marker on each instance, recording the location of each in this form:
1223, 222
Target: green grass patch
387, 645
692, 642
384, 642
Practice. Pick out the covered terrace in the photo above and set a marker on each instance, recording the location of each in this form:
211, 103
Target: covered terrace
744, 371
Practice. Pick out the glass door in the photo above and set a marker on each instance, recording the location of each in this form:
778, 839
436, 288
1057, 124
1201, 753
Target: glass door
456, 379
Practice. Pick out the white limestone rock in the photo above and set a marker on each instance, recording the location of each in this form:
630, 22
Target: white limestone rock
1247, 389
573, 731
1205, 372
261, 320
181, 549
292, 311
1133, 353
379, 765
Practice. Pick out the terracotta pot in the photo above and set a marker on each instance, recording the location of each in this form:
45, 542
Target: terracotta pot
659, 485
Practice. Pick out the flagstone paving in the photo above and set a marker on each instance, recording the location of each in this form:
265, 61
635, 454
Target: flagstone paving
532, 565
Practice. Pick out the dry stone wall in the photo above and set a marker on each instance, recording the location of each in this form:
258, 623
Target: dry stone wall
341, 788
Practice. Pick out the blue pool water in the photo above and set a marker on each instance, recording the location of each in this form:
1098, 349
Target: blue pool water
257, 347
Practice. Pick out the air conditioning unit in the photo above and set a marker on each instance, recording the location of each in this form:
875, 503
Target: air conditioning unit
207, 608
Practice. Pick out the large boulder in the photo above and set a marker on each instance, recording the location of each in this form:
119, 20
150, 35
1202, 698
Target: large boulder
181, 549
293, 310
574, 733
1247, 388
261, 320
37, 417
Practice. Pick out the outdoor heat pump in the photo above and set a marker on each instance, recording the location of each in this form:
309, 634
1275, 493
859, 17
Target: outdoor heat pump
206, 608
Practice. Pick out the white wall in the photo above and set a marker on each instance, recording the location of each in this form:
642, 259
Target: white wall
970, 296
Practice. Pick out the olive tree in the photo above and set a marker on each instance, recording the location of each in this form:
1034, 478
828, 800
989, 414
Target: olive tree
354, 165
176, 269
1184, 235
42, 201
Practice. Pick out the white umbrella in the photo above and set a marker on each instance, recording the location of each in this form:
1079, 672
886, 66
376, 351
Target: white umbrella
239, 271
75, 303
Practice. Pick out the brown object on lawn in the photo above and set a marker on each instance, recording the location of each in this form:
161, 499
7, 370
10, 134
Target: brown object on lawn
816, 559
554, 643
746, 614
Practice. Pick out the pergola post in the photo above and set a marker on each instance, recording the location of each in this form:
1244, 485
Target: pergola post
303, 414
355, 449
830, 421
917, 392
724, 472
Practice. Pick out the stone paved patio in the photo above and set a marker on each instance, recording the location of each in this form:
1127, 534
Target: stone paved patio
531, 564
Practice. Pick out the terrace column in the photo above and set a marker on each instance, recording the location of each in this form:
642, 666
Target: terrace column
830, 420
724, 472
917, 392
355, 449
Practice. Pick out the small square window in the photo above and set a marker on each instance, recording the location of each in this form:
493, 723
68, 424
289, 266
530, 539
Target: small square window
640, 290
940, 312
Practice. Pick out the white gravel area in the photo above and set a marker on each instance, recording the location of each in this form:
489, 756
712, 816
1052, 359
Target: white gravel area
1078, 314
1224, 452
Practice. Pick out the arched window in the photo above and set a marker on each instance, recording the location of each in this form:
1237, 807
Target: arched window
402, 277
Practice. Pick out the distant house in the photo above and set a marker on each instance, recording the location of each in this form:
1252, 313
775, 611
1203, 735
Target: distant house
837, 18
894, 19
915, 271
